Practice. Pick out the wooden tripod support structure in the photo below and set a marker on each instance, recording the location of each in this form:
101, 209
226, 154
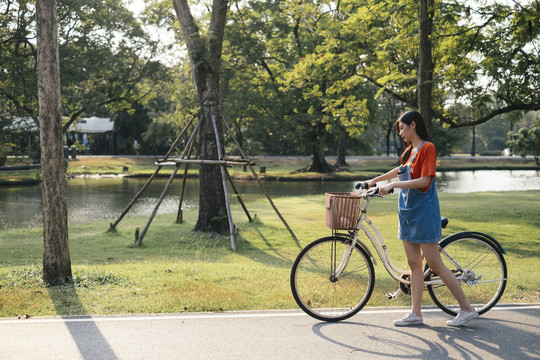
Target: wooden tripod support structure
184, 159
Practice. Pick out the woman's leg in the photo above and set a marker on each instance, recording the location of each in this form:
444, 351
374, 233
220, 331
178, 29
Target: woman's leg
433, 258
414, 259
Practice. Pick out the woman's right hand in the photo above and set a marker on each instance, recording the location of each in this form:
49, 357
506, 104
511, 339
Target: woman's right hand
387, 189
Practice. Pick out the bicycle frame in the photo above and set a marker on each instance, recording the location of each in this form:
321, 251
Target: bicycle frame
376, 238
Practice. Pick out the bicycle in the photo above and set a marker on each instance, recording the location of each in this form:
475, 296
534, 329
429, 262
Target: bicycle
333, 277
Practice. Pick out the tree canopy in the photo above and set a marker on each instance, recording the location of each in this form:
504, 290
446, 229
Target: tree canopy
108, 61
295, 77
485, 56
526, 142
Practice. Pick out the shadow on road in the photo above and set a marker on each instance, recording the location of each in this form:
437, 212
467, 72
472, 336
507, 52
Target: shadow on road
85, 332
503, 339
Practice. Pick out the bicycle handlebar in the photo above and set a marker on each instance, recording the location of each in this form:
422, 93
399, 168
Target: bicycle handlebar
376, 191
373, 192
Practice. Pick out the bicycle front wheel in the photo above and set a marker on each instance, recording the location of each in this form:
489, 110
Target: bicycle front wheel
320, 291
482, 273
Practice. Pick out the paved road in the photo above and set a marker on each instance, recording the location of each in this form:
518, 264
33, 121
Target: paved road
506, 332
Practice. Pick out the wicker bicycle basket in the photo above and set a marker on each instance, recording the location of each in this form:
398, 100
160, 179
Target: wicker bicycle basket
342, 210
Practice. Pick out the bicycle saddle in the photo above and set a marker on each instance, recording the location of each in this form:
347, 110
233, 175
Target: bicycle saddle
444, 221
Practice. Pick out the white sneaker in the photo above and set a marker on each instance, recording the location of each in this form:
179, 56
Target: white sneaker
462, 317
409, 319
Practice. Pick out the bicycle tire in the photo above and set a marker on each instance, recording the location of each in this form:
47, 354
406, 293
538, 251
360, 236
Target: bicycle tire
318, 293
487, 273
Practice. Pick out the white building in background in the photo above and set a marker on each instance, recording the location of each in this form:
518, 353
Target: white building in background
95, 133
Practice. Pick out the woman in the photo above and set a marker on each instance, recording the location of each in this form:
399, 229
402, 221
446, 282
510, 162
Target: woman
419, 217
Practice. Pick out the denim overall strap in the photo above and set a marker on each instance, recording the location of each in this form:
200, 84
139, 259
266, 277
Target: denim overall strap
419, 213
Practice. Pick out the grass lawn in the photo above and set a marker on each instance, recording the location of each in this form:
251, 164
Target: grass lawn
8, 178
176, 270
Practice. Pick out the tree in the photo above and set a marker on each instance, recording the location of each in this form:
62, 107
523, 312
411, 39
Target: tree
302, 72
329, 100
56, 258
388, 112
107, 59
483, 56
526, 142
171, 108
18, 81
491, 61
425, 61
260, 50
205, 58
492, 135
297, 64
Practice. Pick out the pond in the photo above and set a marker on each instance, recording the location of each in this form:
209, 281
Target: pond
91, 199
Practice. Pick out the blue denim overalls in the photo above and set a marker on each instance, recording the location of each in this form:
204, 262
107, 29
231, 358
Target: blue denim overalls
419, 213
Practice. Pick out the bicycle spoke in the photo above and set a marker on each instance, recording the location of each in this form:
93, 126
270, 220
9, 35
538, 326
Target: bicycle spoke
484, 273
355, 270
475, 262
316, 288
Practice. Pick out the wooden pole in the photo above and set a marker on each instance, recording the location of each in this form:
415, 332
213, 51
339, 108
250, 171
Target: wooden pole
238, 195
225, 190
167, 186
179, 215
145, 186
259, 181
175, 162
164, 192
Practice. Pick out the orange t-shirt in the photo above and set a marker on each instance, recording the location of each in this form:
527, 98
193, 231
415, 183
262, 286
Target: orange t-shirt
425, 163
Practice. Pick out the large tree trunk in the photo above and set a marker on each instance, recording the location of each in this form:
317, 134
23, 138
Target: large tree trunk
318, 160
212, 207
387, 140
342, 147
425, 62
56, 258
473, 146
205, 60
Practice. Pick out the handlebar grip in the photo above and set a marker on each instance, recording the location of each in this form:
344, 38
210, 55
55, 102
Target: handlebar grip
378, 189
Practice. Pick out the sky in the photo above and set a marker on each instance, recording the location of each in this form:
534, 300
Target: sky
135, 5
164, 36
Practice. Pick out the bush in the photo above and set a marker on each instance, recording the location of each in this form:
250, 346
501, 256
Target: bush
490, 153
4, 151
445, 139
525, 142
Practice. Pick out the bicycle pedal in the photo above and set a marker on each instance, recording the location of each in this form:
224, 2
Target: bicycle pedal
391, 295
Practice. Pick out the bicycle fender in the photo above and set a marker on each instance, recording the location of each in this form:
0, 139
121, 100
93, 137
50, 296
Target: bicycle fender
482, 235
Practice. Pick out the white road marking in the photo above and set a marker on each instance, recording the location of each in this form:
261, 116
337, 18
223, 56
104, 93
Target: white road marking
222, 315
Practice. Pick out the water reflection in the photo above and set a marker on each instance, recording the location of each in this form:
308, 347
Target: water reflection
91, 199
488, 180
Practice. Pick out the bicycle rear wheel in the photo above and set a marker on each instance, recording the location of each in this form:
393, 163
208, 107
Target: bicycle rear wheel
484, 278
317, 290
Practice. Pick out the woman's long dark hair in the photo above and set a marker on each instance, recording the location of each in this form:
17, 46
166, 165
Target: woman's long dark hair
407, 118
